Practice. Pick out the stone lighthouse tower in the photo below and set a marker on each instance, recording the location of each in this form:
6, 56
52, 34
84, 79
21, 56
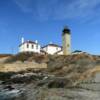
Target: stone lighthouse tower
66, 39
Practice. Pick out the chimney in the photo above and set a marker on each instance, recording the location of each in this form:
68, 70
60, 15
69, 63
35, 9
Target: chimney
22, 40
50, 42
36, 41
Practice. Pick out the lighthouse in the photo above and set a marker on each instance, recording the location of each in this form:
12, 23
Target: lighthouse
66, 40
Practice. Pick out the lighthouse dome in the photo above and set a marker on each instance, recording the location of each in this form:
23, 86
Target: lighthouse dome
66, 30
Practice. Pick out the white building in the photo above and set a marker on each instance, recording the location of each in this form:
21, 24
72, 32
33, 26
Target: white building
59, 52
51, 48
78, 52
65, 49
29, 46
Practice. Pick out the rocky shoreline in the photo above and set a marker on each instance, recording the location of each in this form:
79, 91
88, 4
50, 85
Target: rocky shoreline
66, 78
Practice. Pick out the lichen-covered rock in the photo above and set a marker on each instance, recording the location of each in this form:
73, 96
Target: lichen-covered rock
73, 77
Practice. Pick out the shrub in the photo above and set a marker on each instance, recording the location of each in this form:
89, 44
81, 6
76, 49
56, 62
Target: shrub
6, 76
20, 57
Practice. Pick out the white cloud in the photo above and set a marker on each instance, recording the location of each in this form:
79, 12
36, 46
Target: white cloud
24, 5
77, 9
60, 9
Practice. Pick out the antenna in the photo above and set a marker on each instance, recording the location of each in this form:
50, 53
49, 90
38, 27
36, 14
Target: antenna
12, 50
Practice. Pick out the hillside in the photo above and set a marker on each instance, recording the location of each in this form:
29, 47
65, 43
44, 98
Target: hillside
47, 77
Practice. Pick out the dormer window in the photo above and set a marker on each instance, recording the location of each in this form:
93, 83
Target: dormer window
27, 45
36, 46
56, 48
32, 46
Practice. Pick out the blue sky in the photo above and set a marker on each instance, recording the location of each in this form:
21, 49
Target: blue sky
43, 20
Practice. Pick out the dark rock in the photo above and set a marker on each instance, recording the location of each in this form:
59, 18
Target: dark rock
9, 87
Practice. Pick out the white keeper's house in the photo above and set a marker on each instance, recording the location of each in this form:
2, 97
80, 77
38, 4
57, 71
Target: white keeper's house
30, 46
51, 48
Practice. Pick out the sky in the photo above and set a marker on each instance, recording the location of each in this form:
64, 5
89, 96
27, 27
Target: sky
44, 20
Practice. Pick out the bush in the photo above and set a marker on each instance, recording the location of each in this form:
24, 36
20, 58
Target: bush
6, 76
59, 83
5, 55
20, 57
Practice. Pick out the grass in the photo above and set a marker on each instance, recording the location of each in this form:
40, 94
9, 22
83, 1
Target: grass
5, 55
26, 56
20, 57
6, 76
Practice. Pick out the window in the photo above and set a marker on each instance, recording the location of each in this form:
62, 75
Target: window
27, 45
68, 45
32, 46
36, 46
46, 48
56, 48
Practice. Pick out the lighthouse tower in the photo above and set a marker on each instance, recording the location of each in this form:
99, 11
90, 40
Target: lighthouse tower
66, 39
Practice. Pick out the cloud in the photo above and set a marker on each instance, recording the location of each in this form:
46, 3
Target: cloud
60, 9
24, 5
77, 9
